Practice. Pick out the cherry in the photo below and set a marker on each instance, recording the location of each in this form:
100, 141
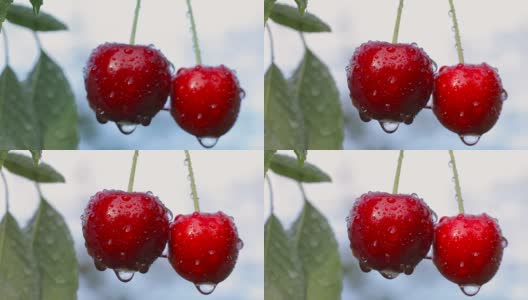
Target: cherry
125, 231
205, 101
467, 99
127, 84
203, 248
390, 233
467, 250
390, 83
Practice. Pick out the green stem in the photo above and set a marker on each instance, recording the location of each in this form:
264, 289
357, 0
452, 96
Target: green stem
398, 172
39, 191
37, 39
457, 183
271, 43
193, 183
135, 22
6, 46
303, 192
303, 40
6, 191
268, 180
194, 34
460, 51
133, 171
397, 25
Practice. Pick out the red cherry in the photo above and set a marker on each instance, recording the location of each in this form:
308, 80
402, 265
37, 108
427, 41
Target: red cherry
467, 99
127, 84
205, 101
467, 250
390, 233
125, 231
390, 83
203, 248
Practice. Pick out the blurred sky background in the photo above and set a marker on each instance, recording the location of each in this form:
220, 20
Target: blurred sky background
492, 31
236, 191
491, 182
229, 34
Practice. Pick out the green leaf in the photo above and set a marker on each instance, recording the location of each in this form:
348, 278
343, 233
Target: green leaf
319, 253
19, 276
24, 166
36, 155
25, 16
290, 167
283, 272
289, 16
302, 4
4, 7
284, 127
54, 249
268, 5
316, 91
301, 155
17, 116
54, 103
36, 6
268, 155
3, 156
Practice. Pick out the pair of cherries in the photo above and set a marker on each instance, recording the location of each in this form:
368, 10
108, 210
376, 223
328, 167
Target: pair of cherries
392, 83
130, 84
392, 233
127, 232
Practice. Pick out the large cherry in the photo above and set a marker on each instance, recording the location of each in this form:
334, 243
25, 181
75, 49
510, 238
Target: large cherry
390, 83
467, 250
467, 99
390, 233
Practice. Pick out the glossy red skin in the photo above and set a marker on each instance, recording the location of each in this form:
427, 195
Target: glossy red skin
125, 231
390, 82
127, 83
467, 99
390, 232
472, 240
205, 101
203, 247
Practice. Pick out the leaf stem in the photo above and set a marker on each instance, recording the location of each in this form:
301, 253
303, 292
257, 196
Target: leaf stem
397, 24
6, 190
457, 183
268, 180
398, 172
6, 46
37, 39
272, 48
196, 45
39, 191
303, 40
194, 194
303, 192
135, 22
132, 171
460, 50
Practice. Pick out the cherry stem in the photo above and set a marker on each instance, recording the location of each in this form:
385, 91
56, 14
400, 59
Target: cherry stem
271, 43
303, 192
398, 172
194, 34
135, 22
133, 171
193, 183
457, 183
460, 51
268, 180
6, 46
6, 191
397, 24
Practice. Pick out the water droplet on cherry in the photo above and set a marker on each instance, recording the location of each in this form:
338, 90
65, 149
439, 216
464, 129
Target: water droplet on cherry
124, 275
389, 126
470, 289
205, 288
504, 242
389, 274
208, 142
126, 128
470, 139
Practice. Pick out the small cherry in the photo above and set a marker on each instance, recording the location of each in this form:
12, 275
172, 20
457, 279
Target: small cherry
390, 233
467, 99
125, 231
390, 82
205, 101
467, 250
127, 84
203, 248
